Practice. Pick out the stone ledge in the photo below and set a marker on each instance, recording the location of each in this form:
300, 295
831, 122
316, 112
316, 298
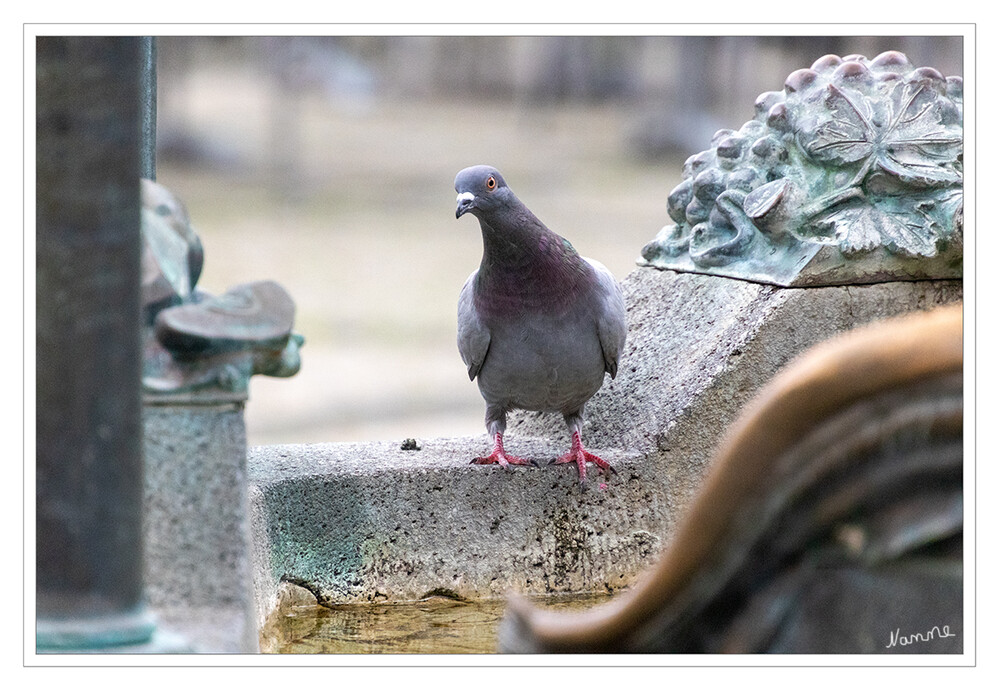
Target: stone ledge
700, 347
356, 522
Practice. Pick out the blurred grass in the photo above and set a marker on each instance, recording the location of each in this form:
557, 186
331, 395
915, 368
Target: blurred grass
351, 208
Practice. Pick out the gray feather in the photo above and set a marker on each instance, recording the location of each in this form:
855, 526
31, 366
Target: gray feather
473, 336
612, 326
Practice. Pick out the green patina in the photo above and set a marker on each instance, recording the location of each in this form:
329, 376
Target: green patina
852, 174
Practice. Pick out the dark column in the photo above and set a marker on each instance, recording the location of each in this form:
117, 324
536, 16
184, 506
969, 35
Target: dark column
89, 433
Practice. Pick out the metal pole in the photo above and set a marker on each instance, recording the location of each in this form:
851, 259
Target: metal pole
89, 449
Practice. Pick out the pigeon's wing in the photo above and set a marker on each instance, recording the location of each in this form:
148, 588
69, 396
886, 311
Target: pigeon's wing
473, 336
612, 326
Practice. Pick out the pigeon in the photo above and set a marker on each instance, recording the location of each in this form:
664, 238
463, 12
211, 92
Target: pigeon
538, 324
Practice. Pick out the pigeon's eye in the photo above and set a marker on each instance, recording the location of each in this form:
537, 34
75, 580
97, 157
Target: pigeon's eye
491, 183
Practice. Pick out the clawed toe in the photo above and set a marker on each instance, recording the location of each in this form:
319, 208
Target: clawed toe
581, 456
601, 464
577, 454
499, 456
502, 459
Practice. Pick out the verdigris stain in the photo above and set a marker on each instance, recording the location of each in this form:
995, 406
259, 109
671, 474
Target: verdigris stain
852, 174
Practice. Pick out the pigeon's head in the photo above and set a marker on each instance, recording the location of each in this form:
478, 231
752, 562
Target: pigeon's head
481, 189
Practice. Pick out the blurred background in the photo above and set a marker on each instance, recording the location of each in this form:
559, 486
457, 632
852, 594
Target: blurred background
327, 165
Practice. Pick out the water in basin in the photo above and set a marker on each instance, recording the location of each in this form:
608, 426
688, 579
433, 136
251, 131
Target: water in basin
436, 625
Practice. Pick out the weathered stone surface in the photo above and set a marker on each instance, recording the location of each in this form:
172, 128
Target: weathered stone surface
197, 538
699, 347
370, 521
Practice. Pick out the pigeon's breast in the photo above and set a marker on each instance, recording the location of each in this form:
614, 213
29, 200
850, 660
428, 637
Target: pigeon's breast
542, 362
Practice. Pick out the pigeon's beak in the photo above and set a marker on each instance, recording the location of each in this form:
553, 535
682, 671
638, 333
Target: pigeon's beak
466, 200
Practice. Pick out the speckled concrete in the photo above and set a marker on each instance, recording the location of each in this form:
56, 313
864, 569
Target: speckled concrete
196, 526
699, 347
370, 521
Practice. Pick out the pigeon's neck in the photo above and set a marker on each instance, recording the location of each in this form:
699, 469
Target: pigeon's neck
527, 266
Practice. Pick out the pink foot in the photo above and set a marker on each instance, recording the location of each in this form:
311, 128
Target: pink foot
581, 456
499, 457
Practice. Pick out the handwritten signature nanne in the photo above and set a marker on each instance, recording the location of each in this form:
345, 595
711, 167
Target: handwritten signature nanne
931, 634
